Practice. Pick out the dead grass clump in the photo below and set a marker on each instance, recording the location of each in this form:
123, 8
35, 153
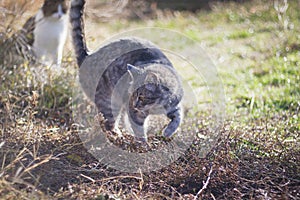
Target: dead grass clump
13, 42
40, 154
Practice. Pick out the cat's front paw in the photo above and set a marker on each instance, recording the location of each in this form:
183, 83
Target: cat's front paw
141, 139
108, 126
168, 132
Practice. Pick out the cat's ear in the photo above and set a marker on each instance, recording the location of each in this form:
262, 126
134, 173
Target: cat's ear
151, 78
151, 82
133, 70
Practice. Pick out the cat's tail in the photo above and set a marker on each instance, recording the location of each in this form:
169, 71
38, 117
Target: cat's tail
76, 19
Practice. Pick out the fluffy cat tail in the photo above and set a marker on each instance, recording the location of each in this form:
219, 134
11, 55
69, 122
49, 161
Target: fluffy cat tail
76, 19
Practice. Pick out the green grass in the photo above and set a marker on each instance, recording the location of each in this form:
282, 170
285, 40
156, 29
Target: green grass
241, 34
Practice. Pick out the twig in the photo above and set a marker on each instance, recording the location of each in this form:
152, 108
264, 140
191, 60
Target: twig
45, 160
205, 184
87, 177
141, 183
120, 177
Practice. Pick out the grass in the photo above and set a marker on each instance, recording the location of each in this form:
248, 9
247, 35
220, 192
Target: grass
257, 57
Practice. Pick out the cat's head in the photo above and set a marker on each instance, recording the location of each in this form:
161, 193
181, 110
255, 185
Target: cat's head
148, 90
55, 9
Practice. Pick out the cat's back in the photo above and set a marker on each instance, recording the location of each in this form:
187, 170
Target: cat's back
109, 63
126, 49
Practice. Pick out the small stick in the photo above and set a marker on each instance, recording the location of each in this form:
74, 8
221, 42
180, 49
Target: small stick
87, 177
205, 184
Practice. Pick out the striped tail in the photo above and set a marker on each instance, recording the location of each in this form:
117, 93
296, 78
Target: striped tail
76, 19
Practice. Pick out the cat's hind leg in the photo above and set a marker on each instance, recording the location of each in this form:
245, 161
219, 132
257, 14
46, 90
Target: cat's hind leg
105, 109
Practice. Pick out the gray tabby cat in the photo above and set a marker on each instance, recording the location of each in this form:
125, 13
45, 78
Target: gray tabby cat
130, 76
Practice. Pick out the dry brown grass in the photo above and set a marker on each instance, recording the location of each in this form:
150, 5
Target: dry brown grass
15, 13
30, 5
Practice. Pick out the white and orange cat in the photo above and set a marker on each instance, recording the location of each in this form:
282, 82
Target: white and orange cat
46, 32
